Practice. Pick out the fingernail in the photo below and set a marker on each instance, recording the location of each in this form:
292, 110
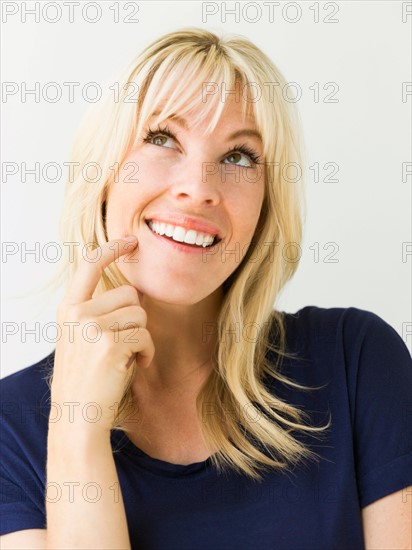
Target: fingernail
130, 238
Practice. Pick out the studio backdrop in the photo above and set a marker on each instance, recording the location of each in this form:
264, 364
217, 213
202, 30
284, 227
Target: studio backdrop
347, 65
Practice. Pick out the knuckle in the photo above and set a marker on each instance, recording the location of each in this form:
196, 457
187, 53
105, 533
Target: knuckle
141, 331
72, 313
91, 320
130, 294
144, 334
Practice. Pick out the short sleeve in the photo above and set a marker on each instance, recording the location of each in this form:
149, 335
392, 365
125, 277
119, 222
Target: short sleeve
20, 494
23, 433
383, 410
17, 510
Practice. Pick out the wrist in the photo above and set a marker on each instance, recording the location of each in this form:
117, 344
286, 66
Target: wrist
77, 415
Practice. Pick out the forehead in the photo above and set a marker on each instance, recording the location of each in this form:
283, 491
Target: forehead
232, 114
228, 106
184, 119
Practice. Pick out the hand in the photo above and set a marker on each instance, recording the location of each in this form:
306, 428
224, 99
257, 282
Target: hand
100, 338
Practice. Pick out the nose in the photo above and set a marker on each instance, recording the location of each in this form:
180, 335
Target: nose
197, 183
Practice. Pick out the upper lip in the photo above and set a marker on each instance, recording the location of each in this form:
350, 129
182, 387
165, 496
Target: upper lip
187, 222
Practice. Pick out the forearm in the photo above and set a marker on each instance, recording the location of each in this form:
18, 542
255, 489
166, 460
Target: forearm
84, 503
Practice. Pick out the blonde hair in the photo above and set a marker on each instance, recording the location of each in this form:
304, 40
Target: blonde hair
170, 75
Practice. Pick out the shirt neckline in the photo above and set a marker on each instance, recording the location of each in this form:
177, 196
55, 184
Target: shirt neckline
122, 444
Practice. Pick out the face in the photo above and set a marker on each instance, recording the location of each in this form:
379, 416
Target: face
194, 188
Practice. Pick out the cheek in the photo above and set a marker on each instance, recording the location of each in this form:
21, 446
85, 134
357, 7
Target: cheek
137, 183
248, 226
247, 210
120, 210
152, 161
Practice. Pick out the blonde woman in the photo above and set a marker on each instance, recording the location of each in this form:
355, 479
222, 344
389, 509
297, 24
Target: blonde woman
179, 409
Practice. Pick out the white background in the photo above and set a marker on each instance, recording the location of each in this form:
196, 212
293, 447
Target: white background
367, 133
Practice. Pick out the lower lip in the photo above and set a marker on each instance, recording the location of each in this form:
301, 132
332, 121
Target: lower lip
181, 247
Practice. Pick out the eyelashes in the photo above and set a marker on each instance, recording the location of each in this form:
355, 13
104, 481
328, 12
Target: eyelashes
150, 134
240, 148
245, 150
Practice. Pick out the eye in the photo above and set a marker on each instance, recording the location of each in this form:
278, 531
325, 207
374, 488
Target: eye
249, 156
244, 150
155, 137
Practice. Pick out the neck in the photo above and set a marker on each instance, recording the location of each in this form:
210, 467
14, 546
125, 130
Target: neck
184, 338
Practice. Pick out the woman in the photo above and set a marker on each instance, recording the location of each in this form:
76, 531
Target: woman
179, 409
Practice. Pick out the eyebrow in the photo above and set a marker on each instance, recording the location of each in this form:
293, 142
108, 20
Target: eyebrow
239, 133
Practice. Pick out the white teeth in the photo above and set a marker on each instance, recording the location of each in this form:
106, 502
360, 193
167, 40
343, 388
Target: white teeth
180, 234
169, 230
158, 227
208, 240
190, 237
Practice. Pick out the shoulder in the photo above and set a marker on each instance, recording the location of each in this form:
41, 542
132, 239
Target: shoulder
350, 328
25, 397
25, 408
25, 382
349, 348
320, 318
365, 369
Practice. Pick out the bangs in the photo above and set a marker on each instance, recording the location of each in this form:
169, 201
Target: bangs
192, 86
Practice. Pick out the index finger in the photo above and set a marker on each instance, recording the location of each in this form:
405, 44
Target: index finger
88, 273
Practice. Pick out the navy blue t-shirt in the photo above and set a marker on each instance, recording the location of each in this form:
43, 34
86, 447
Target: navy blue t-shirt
365, 369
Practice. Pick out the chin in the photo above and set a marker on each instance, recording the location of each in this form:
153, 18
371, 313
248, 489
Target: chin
161, 283
179, 295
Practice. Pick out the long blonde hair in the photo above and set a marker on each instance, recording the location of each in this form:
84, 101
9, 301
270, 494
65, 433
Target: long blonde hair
174, 70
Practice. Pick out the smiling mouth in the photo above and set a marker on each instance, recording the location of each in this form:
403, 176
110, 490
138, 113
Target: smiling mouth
178, 234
